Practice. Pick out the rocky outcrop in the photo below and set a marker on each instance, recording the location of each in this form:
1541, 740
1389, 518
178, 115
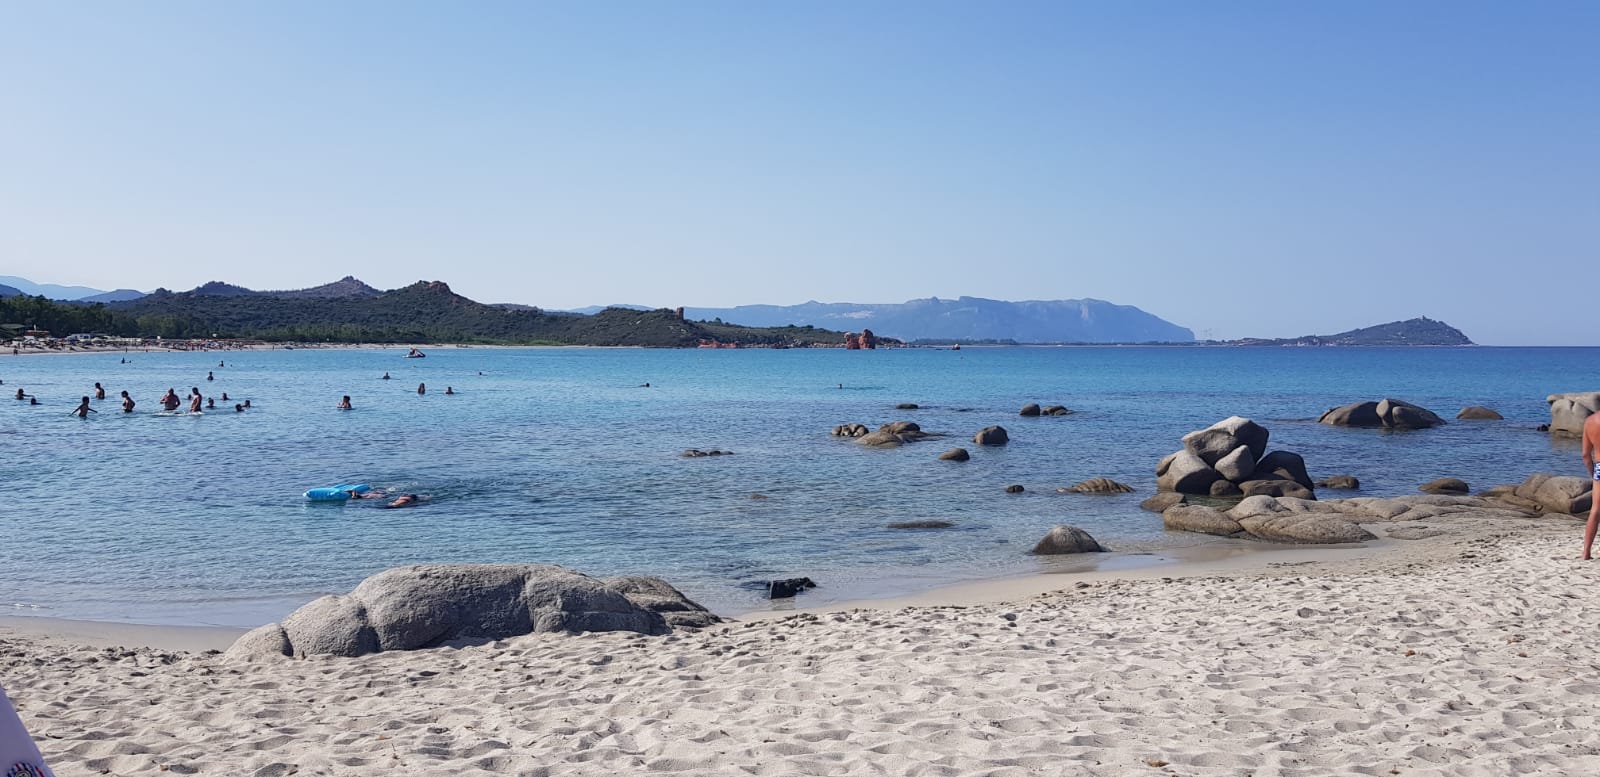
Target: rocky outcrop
1569, 411
1015, 488
955, 454
1230, 458
1032, 410
1099, 486
851, 430
1067, 539
407, 608
1029, 410
1448, 486
1304, 521
992, 435
1478, 413
657, 596
1385, 413
1546, 493
1056, 410
892, 435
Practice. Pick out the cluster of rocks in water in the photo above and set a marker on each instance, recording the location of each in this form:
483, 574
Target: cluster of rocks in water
1032, 410
696, 453
1230, 458
1569, 411
1383, 413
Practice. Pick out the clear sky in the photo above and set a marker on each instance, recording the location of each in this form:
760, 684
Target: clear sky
1241, 168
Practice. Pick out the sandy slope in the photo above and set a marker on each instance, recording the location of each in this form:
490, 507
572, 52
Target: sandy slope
1472, 653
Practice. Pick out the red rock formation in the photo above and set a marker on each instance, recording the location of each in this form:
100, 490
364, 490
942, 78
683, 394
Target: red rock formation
868, 339
852, 341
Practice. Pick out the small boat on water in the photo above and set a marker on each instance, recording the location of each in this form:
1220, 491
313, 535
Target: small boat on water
416, 354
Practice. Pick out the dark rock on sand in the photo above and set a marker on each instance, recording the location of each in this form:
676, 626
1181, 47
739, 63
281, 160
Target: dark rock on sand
992, 435
1162, 501
1014, 489
921, 525
1067, 539
1449, 486
1478, 413
955, 454
1099, 486
1029, 410
423, 606
786, 589
1344, 482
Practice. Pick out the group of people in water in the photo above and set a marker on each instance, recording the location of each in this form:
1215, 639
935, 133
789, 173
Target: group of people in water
170, 402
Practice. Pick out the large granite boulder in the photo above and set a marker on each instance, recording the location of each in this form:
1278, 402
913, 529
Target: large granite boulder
1067, 539
1029, 410
1270, 519
1187, 473
1478, 413
407, 608
1569, 411
658, 596
1201, 519
1543, 492
1304, 528
1285, 465
991, 435
894, 434
1387, 413
1221, 438
1237, 465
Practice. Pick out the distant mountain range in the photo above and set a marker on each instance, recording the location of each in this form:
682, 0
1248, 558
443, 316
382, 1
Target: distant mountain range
1415, 331
966, 319
11, 285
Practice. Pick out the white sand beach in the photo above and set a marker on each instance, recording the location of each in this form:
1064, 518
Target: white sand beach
1469, 653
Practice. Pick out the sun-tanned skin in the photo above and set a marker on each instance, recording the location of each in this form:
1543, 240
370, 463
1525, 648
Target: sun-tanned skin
1591, 443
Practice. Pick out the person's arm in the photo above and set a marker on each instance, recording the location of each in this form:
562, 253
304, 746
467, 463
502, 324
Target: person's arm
1588, 448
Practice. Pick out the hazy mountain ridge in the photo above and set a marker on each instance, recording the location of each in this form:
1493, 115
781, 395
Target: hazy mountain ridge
9, 291
969, 319
49, 290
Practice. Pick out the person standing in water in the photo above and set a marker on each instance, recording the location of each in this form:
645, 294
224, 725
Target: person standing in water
99, 391
449, 391
83, 410
422, 388
195, 400
171, 401
344, 404
386, 376
127, 403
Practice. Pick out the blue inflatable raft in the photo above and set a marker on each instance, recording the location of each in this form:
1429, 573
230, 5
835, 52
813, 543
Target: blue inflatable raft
337, 493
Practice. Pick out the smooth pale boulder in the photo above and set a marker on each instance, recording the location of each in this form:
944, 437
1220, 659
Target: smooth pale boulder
1569, 411
1161, 501
991, 435
1221, 438
1200, 519
1165, 463
1029, 410
1450, 486
1286, 465
1304, 528
1100, 486
1562, 494
1067, 539
1237, 465
1188, 473
1478, 413
334, 624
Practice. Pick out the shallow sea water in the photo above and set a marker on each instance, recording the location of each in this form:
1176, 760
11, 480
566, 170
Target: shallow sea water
560, 456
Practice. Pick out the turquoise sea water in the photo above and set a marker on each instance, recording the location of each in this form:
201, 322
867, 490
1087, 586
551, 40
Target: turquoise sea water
560, 456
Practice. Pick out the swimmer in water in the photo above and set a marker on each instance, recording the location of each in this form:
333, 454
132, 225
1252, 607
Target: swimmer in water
83, 410
127, 403
422, 388
449, 391
171, 401
344, 404
225, 396
405, 500
209, 376
220, 364
21, 395
386, 376
211, 404
99, 391
238, 408
247, 403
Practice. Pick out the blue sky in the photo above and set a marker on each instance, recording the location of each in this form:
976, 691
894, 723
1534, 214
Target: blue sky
1245, 168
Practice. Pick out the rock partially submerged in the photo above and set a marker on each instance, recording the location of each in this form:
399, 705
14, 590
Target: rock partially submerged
992, 435
696, 453
1098, 486
1478, 413
1450, 486
1569, 411
890, 435
1386, 413
1067, 539
955, 454
423, 606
